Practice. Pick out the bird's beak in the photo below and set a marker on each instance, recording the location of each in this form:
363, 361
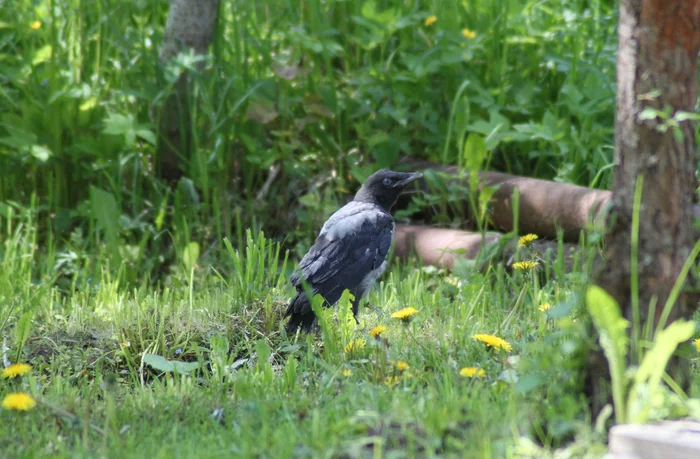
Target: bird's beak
410, 177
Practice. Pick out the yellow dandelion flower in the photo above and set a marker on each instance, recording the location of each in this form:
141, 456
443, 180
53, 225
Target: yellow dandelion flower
391, 381
525, 241
545, 307
697, 344
18, 401
404, 314
376, 331
35, 25
468, 34
472, 372
524, 265
347, 372
401, 365
453, 281
493, 341
16, 369
430, 20
355, 346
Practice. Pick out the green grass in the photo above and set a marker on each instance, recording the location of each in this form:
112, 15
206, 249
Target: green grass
374, 84
257, 392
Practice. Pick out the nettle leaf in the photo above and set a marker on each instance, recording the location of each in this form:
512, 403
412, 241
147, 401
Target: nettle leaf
160, 363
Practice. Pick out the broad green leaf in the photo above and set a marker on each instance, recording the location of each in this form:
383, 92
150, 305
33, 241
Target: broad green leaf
145, 134
345, 315
160, 363
485, 196
117, 124
607, 316
612, 328
262, 351
190, 255
648, 114
22, 331
40, 152
19, 138
42, 54
474, 153
106, 214
656, 359
160, 219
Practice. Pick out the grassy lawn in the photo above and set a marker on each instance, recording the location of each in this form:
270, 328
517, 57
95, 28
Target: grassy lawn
245, 389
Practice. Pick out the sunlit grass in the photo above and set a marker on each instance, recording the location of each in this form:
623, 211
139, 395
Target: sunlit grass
389, 384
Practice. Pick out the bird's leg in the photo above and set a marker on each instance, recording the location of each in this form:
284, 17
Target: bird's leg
355, 307
373, 308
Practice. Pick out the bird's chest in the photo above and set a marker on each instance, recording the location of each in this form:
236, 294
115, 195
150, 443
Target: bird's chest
370, 278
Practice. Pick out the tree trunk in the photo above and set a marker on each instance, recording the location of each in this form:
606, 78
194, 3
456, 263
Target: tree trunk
656, 72
190, 26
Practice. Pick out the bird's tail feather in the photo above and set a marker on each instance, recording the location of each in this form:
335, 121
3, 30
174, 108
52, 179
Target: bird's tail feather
300, 314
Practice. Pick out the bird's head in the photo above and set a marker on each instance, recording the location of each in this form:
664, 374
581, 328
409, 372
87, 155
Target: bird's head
384, 187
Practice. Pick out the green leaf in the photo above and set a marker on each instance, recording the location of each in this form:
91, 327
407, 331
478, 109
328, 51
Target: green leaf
106, 214
345, 315
529, 383
146, 134
40, 152
607, 317
190, 255
648, 114
42, 54
474, 153
22, 332
117, 124
262, 351
612, 328
485, 196
160, 363
656, 359
160, 218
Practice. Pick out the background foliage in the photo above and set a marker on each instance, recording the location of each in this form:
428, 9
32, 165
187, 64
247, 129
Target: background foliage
293, 105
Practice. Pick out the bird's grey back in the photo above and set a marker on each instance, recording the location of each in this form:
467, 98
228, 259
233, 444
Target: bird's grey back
350, 218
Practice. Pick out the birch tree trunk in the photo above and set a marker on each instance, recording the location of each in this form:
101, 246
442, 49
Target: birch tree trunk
657, 80
190, 26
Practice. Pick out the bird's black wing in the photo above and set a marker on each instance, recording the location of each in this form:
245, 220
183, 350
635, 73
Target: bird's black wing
354, 242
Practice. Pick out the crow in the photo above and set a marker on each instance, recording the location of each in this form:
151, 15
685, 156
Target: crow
350, 251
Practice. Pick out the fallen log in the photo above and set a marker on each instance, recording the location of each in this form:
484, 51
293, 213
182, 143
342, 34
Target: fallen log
439, 246
442, 246
544, 206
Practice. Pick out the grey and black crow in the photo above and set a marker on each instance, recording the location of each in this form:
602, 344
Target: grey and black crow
350, 251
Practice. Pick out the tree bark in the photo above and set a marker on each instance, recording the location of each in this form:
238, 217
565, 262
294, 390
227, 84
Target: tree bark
190, 26
659, 42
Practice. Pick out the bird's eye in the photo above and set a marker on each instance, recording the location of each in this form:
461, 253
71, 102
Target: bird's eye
386, 181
